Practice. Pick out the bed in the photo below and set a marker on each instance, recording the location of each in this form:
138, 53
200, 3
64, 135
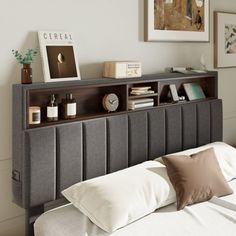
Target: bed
78, 151
207, 218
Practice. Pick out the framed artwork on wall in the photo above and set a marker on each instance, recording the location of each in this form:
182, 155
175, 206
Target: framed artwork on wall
177, 20
225, 39
58, 56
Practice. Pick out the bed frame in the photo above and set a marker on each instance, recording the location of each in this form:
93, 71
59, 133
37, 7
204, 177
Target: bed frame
47, 160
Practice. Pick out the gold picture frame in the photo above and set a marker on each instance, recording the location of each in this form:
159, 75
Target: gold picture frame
177, 20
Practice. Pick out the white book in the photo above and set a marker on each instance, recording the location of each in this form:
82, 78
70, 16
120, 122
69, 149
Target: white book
142, 92
137, 101
148, 104
141, 88
59, 56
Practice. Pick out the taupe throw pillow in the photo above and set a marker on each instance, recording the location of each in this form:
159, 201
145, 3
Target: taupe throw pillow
196, 178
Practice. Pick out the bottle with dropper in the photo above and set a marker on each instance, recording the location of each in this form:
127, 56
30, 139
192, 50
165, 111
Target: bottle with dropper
52, 109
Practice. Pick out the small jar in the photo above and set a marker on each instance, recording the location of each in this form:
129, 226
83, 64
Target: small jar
34, 115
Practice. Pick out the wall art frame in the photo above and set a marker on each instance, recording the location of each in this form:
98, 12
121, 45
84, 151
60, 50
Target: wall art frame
188, 21
59, 57
224, 39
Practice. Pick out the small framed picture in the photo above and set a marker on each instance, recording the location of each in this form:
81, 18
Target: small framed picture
173, 93
225, 39
58, 56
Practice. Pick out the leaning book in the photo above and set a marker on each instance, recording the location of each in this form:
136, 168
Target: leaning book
59, 57
194, 91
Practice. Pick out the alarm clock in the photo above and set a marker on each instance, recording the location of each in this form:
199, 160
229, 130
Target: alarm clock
110, 102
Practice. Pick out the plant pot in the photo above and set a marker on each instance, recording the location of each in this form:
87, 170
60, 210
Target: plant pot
26, 74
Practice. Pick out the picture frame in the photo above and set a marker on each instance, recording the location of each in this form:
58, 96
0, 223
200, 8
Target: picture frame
174, 93
224, 39
59, 57
188, 21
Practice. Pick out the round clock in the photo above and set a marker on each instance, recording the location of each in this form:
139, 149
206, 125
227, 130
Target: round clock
110, 102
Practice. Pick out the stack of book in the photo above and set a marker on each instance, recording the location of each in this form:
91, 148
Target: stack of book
140, 103
141, 90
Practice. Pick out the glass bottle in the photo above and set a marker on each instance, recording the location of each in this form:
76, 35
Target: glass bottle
52, 109
69, 107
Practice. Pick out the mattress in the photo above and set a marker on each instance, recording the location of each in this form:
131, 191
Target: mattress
216, 217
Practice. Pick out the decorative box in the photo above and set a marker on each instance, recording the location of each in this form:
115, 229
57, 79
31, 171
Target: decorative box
122, 69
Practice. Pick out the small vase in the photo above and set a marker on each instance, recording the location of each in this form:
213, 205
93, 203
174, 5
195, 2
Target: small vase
26, 74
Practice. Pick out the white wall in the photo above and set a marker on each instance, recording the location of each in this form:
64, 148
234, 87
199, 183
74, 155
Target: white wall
105, 30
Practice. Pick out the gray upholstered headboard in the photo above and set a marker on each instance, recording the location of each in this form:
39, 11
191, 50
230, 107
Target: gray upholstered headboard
58, 156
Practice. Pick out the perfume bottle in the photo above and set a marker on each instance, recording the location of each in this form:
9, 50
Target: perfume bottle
52, 109
69, 107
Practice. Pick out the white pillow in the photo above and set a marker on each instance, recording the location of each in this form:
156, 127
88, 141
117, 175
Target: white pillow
225, 154
115, 200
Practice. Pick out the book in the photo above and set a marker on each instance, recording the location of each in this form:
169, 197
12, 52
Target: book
142, 105
59, 57
138, 101
194, 91
136, 92
141, 88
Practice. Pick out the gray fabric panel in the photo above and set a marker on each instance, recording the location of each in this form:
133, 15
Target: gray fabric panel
204, 126
69, 155
94, 135
156, 132
216, 121
40, 163
117, 141
138, 138
173, 129
189, 125
17, 144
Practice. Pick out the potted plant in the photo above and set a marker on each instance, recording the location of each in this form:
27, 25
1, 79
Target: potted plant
26, 60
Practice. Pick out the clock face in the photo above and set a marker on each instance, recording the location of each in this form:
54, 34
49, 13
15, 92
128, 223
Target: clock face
110, 102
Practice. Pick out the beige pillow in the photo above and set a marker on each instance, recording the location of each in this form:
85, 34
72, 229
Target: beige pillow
196, 178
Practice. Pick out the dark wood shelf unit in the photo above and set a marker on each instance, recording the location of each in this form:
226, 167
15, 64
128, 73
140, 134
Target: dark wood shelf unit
209, 85
89, 94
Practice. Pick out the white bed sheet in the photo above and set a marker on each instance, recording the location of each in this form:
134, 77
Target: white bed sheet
210, 218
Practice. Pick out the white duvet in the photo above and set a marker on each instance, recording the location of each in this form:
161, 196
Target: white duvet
216, 217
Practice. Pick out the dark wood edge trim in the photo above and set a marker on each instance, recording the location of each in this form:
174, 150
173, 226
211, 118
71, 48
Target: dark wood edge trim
146, 20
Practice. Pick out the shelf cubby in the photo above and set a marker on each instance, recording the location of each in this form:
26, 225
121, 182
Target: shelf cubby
89, 94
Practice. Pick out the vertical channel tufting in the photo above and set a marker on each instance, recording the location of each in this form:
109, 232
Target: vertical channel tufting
203, 120
173, 129
156, 133
189, 125
69, 155
95, 150
216, 121
117, 143
138, 138
41, 166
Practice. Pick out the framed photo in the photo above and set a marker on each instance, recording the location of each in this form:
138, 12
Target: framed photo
225, 39
177, 20
173, 92
58, 56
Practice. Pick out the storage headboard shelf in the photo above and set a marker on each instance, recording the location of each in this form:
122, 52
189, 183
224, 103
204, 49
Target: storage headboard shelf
48, 159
